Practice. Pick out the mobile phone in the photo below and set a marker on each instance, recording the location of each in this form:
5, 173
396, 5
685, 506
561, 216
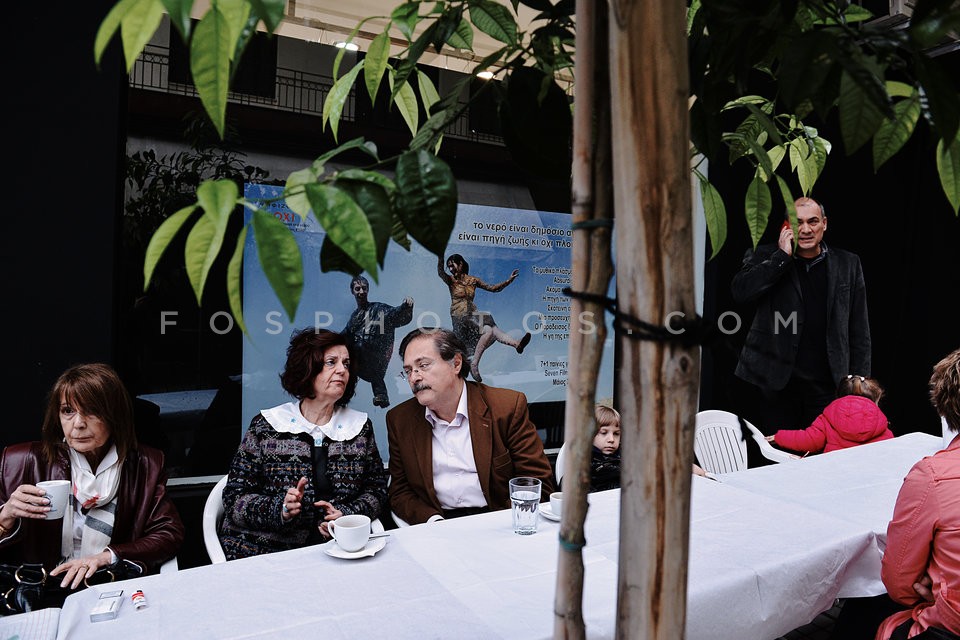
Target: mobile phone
785, 226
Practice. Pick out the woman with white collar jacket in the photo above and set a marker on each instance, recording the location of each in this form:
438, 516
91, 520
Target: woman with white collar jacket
306, 462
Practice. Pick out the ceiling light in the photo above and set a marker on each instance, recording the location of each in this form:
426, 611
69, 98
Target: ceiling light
349, 46
485, 75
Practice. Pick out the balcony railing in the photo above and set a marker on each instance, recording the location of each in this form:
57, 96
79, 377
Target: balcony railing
295, 91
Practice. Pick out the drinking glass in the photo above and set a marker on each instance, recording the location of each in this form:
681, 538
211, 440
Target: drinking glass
525, 501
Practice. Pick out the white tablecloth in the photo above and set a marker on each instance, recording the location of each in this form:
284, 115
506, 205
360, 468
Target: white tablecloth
760, 566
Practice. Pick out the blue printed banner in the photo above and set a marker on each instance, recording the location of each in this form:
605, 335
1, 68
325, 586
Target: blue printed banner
476, 296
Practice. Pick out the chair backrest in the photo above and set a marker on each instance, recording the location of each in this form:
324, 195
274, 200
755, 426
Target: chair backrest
558, 468
718, 442
212, 517
767, 450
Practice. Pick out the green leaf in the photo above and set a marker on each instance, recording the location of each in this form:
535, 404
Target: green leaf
406, 101
426, 199
378, 54
743, 101
295, 193
235, 12
366, 146
405, 18
763, 118
802, 162
333, 105
948, 166
161, 240
432, 129
109, 27
369, 176
893, 134
428, 92
138, 25
270, 11
943, 99
899, 89
859, 116
495, 20
855, 13
409, 63
822, 149
345, 224
776, 155
375, 203
399, 233
234, 281
789, 206
716, 215
333, 258
756, 207
197, 253
210, 52
217, 199
179, 12
462, 37
280, 259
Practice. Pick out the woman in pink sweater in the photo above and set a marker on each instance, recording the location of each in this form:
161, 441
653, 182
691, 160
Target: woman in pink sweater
853, 418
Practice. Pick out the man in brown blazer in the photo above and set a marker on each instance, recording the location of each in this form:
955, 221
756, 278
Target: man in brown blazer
455, 445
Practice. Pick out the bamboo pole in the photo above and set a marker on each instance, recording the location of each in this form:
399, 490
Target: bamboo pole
657, 381
592, 269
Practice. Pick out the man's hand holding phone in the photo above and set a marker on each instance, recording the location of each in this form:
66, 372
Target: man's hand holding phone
786, 238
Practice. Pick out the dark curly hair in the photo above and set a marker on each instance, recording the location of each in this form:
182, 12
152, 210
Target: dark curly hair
305, 360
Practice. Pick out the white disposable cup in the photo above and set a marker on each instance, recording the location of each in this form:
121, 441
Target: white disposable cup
556, 503
525, 504
57, 492
350, 532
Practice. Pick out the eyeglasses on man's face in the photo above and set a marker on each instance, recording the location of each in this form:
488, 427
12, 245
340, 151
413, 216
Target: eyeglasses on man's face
422, 365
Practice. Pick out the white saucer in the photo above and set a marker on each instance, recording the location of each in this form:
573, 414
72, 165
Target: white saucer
548, 513
333, 549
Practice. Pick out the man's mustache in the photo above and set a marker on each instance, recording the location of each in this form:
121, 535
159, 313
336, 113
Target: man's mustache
420, 386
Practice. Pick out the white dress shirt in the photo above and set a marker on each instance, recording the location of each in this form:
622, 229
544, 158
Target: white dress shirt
454, 469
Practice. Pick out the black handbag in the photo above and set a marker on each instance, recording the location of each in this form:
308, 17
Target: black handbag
28, 587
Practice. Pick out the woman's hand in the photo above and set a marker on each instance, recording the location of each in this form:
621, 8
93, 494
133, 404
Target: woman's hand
331, 513
516, 272
924, 587
27, 501
76, 570
292, 501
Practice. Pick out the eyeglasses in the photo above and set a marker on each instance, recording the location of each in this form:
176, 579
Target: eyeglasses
422, 366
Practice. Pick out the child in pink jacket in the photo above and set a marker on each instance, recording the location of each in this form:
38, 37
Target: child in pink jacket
853, 418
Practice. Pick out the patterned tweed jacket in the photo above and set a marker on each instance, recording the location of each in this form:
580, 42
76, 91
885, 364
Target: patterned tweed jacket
270, 461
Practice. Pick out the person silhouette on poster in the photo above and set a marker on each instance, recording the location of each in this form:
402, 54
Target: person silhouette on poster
370, 334
475, 328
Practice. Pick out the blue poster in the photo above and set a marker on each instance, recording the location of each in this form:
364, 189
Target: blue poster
478, 296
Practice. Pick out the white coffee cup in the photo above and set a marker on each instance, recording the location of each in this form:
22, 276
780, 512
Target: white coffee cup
350, 532
556, 503
57, 492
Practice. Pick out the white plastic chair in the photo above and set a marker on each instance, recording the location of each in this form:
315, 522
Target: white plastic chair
719, 445
558, 467
212, 517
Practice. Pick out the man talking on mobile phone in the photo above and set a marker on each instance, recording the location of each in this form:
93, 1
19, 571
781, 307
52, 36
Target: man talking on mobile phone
810, 329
